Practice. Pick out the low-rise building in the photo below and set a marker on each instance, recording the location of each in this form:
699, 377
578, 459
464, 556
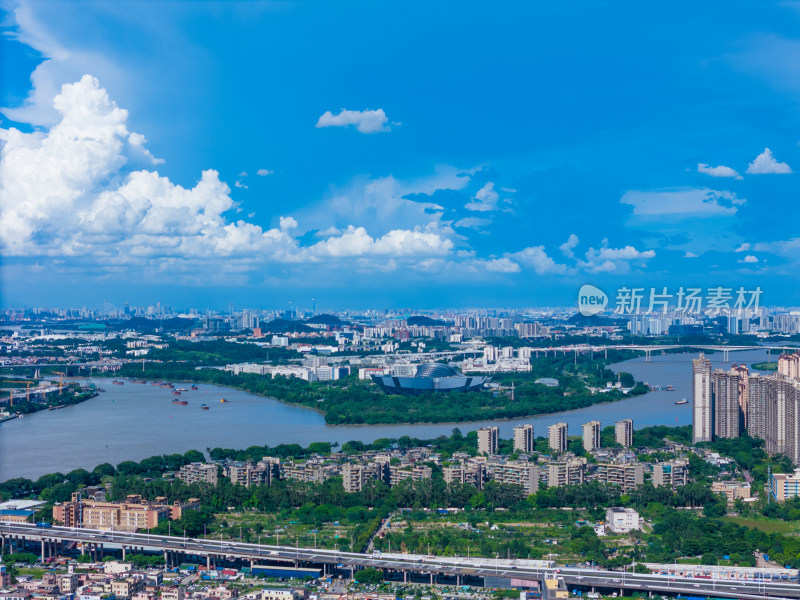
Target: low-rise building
621, 520
567, 472
625, 475
783, 486
732, 490
523, 474
672, 474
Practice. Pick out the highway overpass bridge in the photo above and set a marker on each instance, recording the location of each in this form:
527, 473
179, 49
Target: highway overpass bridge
175, 549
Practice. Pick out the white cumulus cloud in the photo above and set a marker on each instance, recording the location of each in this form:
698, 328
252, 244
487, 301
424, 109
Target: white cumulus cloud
765, 164
614, 260
366, 121
536, 258
485, 199
264, 172
356, 242
69, 193
568, 247
718, 171
501, 265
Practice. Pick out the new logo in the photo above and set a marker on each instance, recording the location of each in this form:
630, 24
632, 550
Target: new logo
591, 300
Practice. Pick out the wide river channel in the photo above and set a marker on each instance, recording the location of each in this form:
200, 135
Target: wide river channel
135, 421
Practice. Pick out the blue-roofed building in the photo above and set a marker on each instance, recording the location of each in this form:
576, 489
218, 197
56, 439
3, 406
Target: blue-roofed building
429, 378
21, 515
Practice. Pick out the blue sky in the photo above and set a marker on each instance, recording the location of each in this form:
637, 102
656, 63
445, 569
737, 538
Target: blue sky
411, 154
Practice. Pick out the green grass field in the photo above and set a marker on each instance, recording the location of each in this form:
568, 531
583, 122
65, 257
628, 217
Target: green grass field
765, 366
765, 525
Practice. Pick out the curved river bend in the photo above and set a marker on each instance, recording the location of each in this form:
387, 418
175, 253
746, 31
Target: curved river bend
135, 421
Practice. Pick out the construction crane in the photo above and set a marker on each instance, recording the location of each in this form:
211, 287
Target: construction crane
60, 380
28, 391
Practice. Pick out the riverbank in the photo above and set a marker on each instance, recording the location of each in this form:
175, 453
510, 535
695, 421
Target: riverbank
24, 407
351, 401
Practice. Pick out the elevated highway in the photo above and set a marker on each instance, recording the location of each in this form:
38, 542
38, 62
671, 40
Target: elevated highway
176, 548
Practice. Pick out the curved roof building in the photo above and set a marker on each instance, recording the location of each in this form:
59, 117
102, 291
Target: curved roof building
429, 377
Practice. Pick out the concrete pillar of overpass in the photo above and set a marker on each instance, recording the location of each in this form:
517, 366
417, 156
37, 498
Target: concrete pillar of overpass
43, 550
458, 580
2, 545
102, 548
208, 563
431, 577
352, 572
123, 553
166, 559
405, 576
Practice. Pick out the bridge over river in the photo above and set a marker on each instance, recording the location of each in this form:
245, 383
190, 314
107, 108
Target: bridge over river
175, 549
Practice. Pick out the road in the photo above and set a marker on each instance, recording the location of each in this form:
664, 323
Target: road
449, 566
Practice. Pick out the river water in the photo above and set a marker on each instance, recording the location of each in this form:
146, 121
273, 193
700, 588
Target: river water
135, 421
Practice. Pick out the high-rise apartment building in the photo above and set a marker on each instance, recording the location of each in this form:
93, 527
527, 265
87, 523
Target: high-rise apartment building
744, 394
523, 438
487, 440
725, 400
623, 432
557, 437
758, 389
789, 365
591, 436
702, 413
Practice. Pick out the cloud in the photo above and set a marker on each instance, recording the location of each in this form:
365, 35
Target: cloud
614, 260
765, 164
264, 172
749, 259
682, 202
472, 223
536, 258
501, 265
58, 67
241, 185
68, 194
718, 171
384, 203
485, 199
785, 248
690, 255
356, 242
567, 247
366, 121
743, 248
288, 223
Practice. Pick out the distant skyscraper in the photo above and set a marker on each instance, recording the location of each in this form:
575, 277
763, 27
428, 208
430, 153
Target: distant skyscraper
725, 400
591, 435
557, 436
487, 440
702, 413
523, 438
623, 432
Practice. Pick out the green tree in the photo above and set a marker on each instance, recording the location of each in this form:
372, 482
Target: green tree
369, 576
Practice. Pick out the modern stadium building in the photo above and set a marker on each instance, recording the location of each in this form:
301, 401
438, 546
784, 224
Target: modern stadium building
430, 377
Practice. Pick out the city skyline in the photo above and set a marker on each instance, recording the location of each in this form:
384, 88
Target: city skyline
256, 153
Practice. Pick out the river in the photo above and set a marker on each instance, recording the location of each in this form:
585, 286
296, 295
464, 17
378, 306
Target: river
135, 421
